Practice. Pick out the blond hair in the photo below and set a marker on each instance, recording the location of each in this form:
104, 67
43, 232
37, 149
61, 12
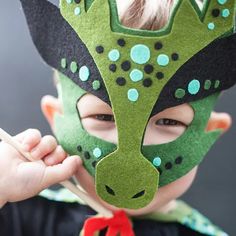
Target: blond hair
146, 14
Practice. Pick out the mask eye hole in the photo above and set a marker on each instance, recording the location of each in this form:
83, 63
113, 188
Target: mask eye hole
97, 118
168, 125
103, 117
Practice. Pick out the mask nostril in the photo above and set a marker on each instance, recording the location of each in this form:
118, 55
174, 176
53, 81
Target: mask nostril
110, 190
139, 194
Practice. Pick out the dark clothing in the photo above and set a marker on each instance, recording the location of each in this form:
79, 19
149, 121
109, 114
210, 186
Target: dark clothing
42, 217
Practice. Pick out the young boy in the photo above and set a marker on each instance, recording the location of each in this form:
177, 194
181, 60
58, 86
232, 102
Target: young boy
109, 139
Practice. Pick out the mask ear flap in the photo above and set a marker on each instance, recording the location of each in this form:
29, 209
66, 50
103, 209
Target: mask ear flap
59, 45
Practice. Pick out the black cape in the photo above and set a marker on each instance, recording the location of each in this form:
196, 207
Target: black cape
42, 217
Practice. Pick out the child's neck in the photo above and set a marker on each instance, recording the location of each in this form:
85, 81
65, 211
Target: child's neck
168, 207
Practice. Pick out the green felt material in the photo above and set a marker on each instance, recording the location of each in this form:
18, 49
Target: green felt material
70, 134
96, 84
73, 67
207, 84
127, 174
88, 4
69, 130
127, 169
192, 146
133, 172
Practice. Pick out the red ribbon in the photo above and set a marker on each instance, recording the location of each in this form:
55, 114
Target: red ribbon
118, 224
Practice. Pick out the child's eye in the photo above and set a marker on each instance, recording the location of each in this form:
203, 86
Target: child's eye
104, 117
169, 122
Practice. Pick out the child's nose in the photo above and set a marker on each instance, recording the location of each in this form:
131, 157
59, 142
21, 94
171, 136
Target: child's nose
126, 182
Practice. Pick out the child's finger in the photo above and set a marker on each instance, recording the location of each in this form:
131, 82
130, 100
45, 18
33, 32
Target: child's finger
56, 157
47, 145
61, 172
29, 138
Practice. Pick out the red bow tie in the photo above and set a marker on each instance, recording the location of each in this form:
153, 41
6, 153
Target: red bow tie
118, 224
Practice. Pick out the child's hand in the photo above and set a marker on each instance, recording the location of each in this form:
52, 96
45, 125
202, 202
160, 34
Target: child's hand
21, 179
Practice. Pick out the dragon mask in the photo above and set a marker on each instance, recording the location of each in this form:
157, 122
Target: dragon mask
138, 73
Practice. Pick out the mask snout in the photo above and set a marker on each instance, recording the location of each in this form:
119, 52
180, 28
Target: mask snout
126, 182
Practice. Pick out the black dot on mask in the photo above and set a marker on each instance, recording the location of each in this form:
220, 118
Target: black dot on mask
121, 42
79, 148
100, 49
147, 82
110, 190
126, 65
168, 165
178, 160
148, 69
175, 56
94, 164
112, 67
215, 12
121, 81
158, 45
77, 1
159, 75
87, 155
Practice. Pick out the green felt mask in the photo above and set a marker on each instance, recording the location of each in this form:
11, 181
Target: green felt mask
138, 73
127, 175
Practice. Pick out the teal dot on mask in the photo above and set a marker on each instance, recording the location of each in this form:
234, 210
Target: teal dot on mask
140, 54
222, 2
96, 85
133, 95
84, 73
179, 93
77, 11
163, 60
114, 55
207, 85
97, 152
156, 161
194, 87
217, 84
136, 75
63, 63
73, 67
225, 13
211, 26
69, 1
